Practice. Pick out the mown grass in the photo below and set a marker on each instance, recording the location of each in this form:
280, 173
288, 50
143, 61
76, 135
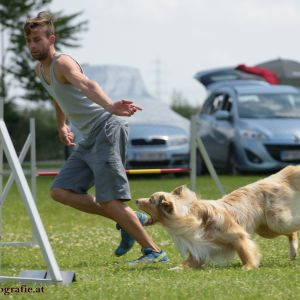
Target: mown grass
85, 243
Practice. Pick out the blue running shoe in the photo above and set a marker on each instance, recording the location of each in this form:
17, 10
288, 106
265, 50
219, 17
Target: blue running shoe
126, 240
150, 256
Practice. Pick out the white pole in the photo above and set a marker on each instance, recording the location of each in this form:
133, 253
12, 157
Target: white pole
2, 73
11, 176
30, 204
193, 153
33, 158
196, 142
209, 165
1, 188
33, 170
29, 143
1, 118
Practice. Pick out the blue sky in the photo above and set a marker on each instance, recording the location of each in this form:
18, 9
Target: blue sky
185, 36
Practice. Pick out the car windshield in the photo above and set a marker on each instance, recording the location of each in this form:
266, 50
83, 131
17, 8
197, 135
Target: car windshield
269, 106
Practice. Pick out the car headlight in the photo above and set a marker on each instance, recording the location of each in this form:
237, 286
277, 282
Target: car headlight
248, 134
177, 140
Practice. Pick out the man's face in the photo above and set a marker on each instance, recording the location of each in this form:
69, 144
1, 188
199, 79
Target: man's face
39, 44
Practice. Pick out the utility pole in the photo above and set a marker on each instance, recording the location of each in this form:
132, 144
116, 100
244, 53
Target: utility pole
157, 73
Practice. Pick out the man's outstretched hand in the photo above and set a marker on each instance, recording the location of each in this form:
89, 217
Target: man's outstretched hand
124, 108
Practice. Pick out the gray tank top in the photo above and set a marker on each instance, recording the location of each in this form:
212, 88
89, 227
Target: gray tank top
83, 113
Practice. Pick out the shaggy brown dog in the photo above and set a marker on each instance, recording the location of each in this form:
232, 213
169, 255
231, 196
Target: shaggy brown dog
214, 230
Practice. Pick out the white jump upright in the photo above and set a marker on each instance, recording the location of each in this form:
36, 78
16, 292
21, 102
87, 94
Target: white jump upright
53, 274
29, 144
196, 143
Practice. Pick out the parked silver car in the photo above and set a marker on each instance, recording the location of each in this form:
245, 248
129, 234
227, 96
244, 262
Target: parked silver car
158, 137
250, 126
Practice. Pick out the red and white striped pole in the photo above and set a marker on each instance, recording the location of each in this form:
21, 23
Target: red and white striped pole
131, 172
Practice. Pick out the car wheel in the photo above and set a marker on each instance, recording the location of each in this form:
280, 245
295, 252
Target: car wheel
232, 164
201, 168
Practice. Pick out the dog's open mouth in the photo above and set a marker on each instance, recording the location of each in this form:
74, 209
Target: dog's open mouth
150, 221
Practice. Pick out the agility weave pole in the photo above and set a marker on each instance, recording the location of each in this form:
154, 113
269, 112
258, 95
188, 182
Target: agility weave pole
53, 274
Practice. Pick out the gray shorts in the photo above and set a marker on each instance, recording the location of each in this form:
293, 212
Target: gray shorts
99, 161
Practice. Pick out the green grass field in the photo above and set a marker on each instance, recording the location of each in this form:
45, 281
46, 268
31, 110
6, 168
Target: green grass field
85, 243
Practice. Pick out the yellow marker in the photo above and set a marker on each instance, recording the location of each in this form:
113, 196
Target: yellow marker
144, 171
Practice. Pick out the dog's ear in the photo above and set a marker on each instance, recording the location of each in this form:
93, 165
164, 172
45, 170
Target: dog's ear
165, 205
184, 192
179, 190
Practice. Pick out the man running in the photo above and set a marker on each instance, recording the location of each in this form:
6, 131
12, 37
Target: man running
99, 159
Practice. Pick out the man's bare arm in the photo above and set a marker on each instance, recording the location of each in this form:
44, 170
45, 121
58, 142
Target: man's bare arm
69, 69
60, 116
66, 136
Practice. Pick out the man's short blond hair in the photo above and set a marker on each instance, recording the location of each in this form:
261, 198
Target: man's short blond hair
42, 20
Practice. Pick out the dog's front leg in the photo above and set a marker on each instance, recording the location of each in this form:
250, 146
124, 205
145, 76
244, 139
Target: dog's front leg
293, 240
247, 251
191, 262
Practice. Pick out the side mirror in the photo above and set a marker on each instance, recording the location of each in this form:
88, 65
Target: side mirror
222, 115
